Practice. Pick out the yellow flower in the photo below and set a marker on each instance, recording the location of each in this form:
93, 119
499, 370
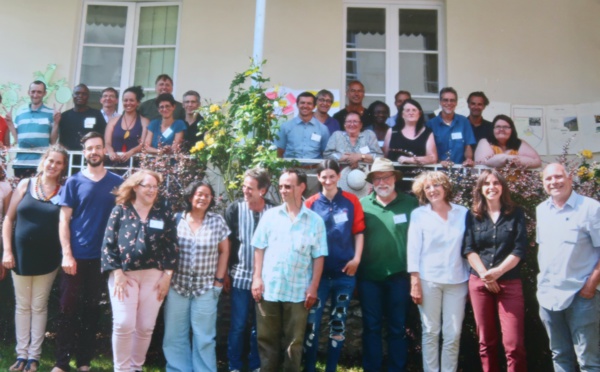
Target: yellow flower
222, 132
587, 154
210, 141
214, 108
583, 172
198, 147
216, 123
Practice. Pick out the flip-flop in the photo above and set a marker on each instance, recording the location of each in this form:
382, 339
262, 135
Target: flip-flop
32, 365
19, 365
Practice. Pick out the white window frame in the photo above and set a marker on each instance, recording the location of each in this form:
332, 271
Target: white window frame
131, 41
392, 59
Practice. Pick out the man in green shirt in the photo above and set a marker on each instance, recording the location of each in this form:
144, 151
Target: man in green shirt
383, 283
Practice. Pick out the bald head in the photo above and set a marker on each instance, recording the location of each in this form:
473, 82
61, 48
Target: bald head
557, 183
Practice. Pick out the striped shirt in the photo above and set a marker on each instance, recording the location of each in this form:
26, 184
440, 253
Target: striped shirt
198, 255
290, 246
33, 129
242, 222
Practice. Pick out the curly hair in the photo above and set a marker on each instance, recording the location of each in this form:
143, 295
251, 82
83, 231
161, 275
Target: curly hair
435, 177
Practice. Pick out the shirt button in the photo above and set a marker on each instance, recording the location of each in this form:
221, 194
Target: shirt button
494, 236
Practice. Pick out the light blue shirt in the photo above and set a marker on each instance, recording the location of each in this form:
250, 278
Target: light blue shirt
391, 121
434, 248
452, 139
303, 140
569, 248
290, 247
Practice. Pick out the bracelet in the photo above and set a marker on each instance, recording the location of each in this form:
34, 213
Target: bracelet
220, 280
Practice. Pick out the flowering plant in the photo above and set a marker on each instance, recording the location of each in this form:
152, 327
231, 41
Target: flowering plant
239, 133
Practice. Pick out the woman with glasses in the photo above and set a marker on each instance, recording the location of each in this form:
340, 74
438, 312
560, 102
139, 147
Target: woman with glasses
504, 147
140, 253
165, 131
438, 272
353, 146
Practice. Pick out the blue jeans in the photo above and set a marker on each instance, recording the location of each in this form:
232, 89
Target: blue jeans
199, 314
340, 289
574, 334
389, 298
242, 305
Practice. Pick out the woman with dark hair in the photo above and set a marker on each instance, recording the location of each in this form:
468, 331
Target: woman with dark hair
197, 283
344, 223
410, 141
353, 145
140, 253
438, 272
504, 146
495, 244
32, 251
380, 112
165, 131
124, 135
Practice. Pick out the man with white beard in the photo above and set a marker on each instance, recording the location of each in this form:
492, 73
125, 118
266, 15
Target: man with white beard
383, 282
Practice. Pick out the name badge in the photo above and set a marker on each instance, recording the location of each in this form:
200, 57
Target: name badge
340, 217
157, 224
167, 133
380, 143
364, 150
315, 137
89, 123
400, 218
456, 135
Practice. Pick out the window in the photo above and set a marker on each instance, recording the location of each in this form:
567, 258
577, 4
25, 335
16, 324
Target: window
390, 47
127, 43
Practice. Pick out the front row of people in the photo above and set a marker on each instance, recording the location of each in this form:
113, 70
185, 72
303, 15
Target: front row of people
291, 260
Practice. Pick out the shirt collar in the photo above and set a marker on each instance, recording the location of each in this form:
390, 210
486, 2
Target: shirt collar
312, 120
570, 202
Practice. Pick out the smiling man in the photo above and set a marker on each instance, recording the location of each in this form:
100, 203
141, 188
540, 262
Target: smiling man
109, 101
86, 202
355, 92
452, 132
149, 109
324, 101
303, 137
568, 234
290, 244
482, 128
80, 120
191, 104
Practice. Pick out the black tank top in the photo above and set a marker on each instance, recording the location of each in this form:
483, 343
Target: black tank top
36, 246
400, 145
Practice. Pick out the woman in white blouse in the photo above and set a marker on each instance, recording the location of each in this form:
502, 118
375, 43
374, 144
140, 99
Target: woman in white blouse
437, 269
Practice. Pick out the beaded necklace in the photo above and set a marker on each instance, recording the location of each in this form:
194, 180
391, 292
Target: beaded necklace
39, 191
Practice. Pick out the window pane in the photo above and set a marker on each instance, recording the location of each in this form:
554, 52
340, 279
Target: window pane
370, 99
105, 25
150, 63
366, 28
94, 99
101, 66
419, 73
369, 68
418, 29
158, 25
429, 105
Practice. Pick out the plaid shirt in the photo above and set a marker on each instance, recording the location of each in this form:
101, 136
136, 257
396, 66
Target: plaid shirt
198, 255
290, 246
242, 222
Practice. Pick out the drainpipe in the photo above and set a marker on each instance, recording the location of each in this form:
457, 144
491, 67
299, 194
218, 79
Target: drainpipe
259, 32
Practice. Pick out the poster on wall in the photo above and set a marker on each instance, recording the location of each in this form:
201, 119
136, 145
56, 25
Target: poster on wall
588, 116
563, 127
530, 124
286, 105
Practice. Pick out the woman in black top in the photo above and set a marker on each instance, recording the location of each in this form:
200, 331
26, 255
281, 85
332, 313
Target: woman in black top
33, 252
495, 244
140, 252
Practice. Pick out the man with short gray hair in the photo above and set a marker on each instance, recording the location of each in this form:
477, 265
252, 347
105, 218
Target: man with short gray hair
568, 234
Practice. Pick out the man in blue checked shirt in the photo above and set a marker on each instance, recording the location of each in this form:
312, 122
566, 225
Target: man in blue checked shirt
290, 244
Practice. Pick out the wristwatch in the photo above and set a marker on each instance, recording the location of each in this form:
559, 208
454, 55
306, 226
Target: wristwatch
220, 280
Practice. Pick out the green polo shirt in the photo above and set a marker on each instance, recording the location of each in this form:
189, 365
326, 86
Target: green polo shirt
384, 252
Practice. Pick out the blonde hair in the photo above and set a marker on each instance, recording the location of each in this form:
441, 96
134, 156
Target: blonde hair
125, 193
59, 150
437, 177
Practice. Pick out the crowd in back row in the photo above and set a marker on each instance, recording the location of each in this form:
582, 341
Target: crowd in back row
283, 263
354, 134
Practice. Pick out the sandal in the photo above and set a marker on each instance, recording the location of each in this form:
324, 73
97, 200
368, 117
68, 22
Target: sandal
19, 365
32, 365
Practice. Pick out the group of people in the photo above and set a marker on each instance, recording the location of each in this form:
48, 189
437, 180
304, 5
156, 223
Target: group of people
160, 122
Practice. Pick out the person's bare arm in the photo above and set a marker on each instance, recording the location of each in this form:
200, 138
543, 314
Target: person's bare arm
110, 127
528, 156
69, 264
222, 261
258, 287
8, 260
313, 287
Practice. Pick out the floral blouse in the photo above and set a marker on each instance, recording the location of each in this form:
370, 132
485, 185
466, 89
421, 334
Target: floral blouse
130, 244
339, 144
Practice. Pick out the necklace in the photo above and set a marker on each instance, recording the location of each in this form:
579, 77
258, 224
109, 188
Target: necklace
128, 126
39, 190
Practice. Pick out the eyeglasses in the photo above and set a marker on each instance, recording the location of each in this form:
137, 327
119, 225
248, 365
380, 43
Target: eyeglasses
379, 179
324, 100
166, 107
287, 187
352, 122
448, 100
356, 91
502, 127
149, 187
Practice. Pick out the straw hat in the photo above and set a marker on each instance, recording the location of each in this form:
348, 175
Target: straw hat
353, 181
383, 165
